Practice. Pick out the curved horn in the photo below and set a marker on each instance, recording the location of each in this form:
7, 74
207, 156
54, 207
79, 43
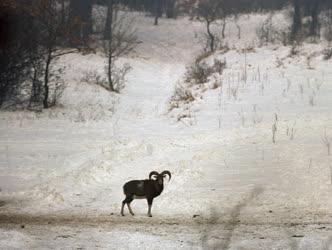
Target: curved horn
153, 173
168, 173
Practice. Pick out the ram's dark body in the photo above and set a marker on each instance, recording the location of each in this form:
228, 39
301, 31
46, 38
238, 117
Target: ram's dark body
144, 189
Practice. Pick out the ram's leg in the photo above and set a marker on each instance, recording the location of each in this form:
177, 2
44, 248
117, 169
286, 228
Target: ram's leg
127, 200
129, 208
150, 205
122, 207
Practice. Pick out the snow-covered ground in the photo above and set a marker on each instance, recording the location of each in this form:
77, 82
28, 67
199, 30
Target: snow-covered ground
62, 170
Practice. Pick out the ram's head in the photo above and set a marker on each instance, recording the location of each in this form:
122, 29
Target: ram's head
160, 177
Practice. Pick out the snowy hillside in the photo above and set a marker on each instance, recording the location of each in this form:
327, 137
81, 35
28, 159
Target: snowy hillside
233, 184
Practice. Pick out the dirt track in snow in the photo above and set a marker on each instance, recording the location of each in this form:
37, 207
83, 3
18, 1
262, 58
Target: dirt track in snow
115, 232
113, 220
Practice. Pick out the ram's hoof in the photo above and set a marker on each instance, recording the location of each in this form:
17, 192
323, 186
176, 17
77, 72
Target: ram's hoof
150, 215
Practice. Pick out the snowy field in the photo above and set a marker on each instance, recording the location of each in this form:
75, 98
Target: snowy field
62, 170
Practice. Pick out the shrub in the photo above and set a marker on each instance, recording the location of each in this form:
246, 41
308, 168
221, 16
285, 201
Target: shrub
200, 72
182, 94
327, 53
118, 78
93, 77
268, 33
56, 87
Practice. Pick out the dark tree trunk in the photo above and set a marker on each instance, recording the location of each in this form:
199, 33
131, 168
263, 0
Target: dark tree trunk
157, 11
88, 21
2, 93
109, 20
63, 12
35, 90
46, 79
109, 74
238, 31
314, 25
108, 34
211, 36
223, 28
170, 9
80, 13
297, 21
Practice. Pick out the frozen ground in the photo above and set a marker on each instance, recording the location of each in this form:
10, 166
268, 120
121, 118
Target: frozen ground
62, 170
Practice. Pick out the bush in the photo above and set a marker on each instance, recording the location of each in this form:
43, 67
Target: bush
181, 95
327, 21
327, 53
200, 72
56, 88
93, 77
219, 66
268, 33
118, 78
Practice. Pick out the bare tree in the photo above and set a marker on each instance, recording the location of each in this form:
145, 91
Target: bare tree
157, 11
80, 13
274, 128
224, 23
37, 84
52, 33
63, 11
326, 142
297, 21
314, 12
328, 26
16, 44
120, 40
210, 11
236, 21
171, 8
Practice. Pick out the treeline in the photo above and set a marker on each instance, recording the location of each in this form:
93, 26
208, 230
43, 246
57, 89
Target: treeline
306, 15
311, 9
35, 33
